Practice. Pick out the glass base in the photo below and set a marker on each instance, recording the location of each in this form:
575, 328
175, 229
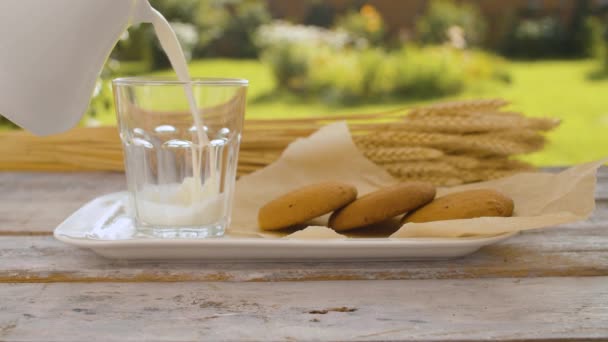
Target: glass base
209, 231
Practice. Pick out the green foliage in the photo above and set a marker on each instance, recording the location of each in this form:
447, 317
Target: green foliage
320, 13
4, 123
597, 45
367, 23
102, 100
441, 15
289, 64
183, 11
594, 39
536, 38
226, 28
533, 34
431, 72
579, 38
134, 45
347, 75
203, 27
288, 48
440, 71
181, 14
337, 76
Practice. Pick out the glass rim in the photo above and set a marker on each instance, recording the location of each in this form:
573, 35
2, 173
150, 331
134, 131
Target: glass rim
159, 80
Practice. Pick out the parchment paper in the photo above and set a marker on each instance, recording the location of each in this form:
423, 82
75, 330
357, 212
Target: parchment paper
541, 199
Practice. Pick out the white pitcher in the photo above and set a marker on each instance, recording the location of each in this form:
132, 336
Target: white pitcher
51, 52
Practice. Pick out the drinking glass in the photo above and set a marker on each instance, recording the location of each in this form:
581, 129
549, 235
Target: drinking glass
180, 162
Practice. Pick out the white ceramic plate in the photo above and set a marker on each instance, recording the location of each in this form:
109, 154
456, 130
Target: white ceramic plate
103, 226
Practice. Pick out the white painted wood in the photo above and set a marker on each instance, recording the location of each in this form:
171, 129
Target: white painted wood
578, 250
423, 310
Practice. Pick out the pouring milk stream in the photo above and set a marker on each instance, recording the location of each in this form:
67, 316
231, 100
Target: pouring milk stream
47, 77
183, 203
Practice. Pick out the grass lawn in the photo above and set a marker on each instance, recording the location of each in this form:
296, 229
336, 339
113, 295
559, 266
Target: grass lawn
548, 88
562, 89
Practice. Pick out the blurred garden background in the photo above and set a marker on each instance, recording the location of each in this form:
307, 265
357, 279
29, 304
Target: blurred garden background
313, 57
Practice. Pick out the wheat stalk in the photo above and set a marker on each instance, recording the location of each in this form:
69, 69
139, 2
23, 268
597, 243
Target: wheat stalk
503, 164
438, 180
447, 144
460, 106
461, 161
382, 155
420, 168
474, 124
440, 171
482, 145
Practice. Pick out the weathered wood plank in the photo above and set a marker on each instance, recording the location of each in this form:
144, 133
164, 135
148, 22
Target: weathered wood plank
35, 203
575, 250
556, 309
602, 183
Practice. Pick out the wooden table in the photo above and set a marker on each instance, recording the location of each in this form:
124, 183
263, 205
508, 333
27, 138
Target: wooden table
538, 286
